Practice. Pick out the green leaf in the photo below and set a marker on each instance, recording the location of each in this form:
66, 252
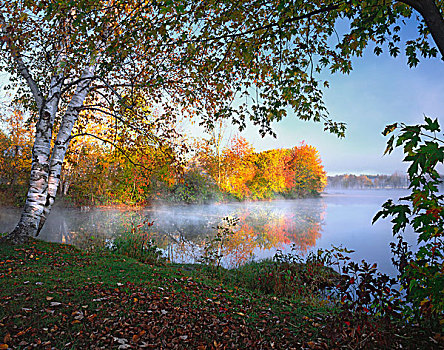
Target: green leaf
389, 147
389, 128
432, 125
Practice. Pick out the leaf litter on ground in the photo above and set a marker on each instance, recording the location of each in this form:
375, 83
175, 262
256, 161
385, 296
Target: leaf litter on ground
103, 301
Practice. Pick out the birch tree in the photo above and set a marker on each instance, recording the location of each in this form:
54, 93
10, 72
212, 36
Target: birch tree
244, 60
69, 59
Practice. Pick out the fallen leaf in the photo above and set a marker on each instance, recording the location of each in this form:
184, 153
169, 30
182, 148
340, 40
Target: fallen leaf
311, 344
22, 332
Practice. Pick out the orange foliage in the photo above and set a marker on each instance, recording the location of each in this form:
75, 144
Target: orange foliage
238, 167
304, 171
245, 174
269, 176
15, 148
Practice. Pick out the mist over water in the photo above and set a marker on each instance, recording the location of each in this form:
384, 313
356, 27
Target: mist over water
338, 217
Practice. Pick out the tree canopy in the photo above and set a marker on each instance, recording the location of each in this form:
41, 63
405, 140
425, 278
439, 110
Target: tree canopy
201, 55
250, 59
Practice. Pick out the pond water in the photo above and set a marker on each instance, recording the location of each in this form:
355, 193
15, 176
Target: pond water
338, 217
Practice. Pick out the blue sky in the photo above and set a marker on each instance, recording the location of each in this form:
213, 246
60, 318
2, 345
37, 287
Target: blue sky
379, 91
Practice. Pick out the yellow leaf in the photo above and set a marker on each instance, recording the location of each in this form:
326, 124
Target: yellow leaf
23, 17
424, 302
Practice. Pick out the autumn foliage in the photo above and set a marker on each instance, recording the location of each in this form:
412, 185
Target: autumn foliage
16, 138
246, 174
110, 163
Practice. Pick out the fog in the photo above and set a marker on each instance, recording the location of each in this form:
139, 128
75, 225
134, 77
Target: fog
338, 217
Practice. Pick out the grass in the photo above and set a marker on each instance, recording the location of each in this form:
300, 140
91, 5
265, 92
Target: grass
57, 296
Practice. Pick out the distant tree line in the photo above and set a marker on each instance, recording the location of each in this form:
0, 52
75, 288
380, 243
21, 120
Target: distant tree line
350, 181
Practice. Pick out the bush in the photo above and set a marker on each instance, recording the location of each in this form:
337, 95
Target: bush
196, 188
288, 275
420, 273
138, 244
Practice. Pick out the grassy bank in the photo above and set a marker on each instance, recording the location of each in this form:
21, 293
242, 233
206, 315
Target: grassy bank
56, 296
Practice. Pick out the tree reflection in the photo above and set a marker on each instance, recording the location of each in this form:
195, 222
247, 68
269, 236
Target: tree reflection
182, 232
267, 228
261, 227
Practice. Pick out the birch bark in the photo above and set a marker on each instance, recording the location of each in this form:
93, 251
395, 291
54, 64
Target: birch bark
62, 142
46, 163
36, 197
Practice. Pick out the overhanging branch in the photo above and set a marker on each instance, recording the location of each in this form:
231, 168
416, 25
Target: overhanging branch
112, 144
22, 68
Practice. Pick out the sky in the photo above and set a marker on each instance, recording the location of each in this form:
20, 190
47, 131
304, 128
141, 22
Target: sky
379, 91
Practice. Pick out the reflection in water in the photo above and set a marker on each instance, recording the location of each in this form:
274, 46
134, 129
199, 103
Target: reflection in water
339, 218
261, 228
182, 231
265, 228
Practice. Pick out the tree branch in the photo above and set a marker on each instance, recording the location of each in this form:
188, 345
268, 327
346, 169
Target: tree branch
112, 144
121, 119
433, 19
287, 21
310, 14
76, 82
22, 68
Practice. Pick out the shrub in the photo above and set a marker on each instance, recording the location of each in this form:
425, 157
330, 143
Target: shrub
288, 275
420, 273
196, 187
214, 247
138, 244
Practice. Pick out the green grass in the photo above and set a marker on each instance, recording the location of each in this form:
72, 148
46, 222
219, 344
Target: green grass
57, 296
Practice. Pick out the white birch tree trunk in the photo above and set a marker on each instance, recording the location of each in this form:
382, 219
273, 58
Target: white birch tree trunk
62, 142
36, 197
46, 165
